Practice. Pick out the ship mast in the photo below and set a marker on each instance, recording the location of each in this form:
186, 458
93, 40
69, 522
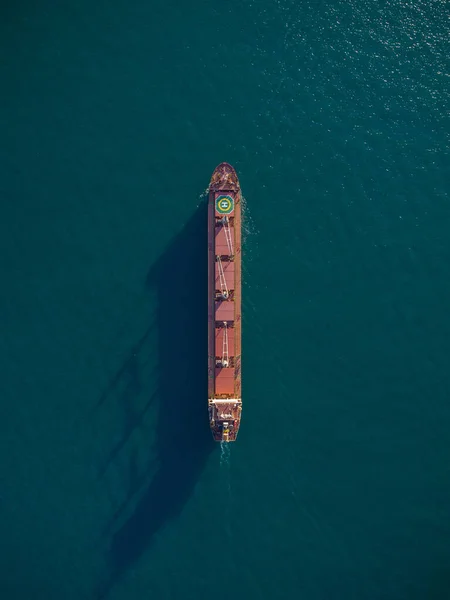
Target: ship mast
223, 282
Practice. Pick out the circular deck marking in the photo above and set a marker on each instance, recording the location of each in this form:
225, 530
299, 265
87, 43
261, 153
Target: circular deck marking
224, 205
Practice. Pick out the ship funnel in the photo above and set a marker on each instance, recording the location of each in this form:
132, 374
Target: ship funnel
225, 432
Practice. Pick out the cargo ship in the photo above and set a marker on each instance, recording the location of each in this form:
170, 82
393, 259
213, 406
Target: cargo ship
224, 303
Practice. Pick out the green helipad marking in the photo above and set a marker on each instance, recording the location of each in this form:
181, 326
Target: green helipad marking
224, 205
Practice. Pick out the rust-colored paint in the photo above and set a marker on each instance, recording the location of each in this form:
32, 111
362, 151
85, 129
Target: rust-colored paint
224, 240
228, 272
221, 244
224, 381
220, 334
225, 311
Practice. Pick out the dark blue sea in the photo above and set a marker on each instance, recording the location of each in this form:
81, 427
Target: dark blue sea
113, 115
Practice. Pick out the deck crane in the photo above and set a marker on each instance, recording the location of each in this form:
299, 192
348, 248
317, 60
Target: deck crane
223, 283
225, 362
226, 228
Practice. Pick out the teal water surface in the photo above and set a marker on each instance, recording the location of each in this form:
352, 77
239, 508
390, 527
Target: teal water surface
112, 118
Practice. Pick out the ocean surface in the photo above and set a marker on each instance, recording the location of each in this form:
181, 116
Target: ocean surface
113, 116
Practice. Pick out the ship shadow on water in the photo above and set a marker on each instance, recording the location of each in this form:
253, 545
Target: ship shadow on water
183, 441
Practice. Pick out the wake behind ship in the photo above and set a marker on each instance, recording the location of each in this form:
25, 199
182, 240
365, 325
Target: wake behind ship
224, 303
